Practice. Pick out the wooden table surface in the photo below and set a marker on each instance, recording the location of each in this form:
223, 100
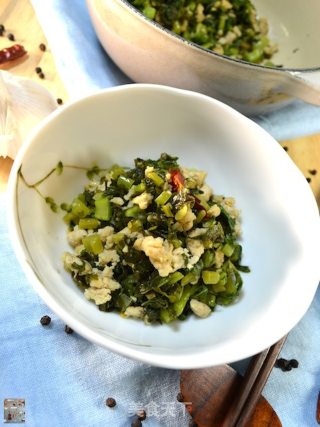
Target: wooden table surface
19, 19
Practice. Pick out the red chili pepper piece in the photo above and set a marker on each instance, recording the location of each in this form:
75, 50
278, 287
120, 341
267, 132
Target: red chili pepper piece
10, 53
177, 180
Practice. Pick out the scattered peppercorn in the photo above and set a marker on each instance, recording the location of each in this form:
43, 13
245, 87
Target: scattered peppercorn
141, 414
45, 320
180, 397
282, 364
68, 330
312, 171
11, 37
111, 402
294, 363
136, 423
308, 179
286, 365
285, 148
41, 75
42, 47
59, 101
2, 28
38, 70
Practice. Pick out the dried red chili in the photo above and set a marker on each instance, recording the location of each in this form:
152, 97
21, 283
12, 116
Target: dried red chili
177, 180
10, 53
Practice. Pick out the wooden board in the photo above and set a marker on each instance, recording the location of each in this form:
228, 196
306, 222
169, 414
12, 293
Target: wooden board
19, 19
305, 152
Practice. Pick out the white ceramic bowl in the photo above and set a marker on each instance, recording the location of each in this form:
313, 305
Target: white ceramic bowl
148, 53
280, 218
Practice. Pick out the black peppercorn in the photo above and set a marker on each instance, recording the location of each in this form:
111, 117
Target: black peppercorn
286, 365
294, 363
41, 75
308, 179
2, 28
45, 320
283, 364
136, 423
11, 37
59, 101
38, 70
68, 330
141, 414
180, 397
111, 402
42, 47
312, 171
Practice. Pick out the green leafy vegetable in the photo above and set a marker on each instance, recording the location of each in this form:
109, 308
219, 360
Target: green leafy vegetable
150, 239
228, 27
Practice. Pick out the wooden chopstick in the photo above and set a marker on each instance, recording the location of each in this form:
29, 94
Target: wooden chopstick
252, 385
318, 409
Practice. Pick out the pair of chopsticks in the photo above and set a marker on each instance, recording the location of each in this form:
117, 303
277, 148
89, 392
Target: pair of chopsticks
252, 385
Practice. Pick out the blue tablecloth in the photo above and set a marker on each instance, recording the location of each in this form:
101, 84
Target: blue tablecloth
65, 379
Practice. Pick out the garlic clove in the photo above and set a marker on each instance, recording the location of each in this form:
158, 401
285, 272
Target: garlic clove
23, 104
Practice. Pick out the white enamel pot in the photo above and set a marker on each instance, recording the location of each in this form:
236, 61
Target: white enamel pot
148, 53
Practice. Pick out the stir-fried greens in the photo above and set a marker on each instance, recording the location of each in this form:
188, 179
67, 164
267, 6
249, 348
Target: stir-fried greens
154, 242
228, 27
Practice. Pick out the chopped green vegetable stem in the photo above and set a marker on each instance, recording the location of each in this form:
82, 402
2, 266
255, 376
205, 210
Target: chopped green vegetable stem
228, 27
147, 233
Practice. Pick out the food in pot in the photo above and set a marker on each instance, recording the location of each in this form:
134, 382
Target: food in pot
227, 27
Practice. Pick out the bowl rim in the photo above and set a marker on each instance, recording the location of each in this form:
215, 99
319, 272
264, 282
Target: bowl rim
209, 52
173, 361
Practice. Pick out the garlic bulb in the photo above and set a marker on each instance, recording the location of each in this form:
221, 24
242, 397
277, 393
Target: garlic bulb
23, 104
